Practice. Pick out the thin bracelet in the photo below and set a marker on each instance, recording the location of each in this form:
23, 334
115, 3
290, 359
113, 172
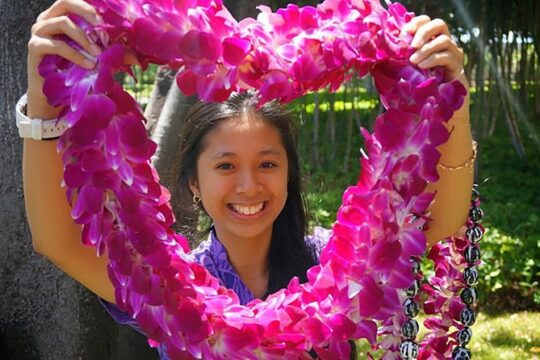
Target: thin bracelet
467, 164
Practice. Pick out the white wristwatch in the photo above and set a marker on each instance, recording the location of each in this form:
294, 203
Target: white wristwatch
37, 129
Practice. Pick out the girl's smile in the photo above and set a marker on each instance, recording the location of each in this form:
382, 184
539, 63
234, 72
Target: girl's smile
242, 175
247, 211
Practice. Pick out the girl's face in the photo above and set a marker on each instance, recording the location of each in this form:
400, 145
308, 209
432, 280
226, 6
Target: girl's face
242, 175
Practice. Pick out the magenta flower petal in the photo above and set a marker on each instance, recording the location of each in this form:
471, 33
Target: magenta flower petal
413, 242
129, 200
368, 330
188, 317
305, 69
140, 280
90, 200
106, 179
316, 331
393, 128
235, 50
344, 327
94, 160
186, 81
384, 255
146, 32
125, 172
112, 141
75, 176
276, 86
104, 81
143, 240
215, 87
196, 45
165, 46
84, 133
99, 109
370, 297
55, 89
80, 92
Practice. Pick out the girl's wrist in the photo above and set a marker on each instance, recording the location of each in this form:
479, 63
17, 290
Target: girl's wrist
38, 107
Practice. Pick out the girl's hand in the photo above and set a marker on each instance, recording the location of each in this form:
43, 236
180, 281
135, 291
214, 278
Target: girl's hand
54, 21
435, 47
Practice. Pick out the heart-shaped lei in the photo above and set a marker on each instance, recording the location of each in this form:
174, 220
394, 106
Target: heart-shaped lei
116, 195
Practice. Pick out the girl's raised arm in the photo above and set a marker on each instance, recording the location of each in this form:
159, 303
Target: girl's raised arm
54, 233
449, 211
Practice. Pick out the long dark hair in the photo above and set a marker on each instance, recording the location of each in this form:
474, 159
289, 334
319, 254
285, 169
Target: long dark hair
289, 255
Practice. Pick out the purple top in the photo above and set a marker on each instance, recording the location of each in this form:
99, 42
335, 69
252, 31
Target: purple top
213, 256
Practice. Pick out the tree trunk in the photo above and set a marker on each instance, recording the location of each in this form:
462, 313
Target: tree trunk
332, 127
241, 9
166, 160
506, 98
44, 314
316, 124
348, 96
162, 84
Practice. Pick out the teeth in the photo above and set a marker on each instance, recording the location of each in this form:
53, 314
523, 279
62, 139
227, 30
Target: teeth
247, 210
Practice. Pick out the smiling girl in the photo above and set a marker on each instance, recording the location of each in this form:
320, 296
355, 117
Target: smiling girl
239, 165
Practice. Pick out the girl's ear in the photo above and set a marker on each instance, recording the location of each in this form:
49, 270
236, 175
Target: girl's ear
194, 187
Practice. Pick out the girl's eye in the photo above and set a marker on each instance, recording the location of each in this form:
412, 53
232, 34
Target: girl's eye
225, 166
268, 165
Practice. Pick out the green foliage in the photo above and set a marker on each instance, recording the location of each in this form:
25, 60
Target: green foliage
510, 200
140, 86
511, 246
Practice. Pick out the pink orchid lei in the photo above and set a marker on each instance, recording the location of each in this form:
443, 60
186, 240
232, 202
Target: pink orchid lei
116, 195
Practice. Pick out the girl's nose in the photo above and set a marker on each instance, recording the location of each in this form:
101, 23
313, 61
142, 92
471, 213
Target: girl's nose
248, 183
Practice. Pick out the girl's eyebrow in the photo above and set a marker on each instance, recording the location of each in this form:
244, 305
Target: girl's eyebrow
271, 151
222, 154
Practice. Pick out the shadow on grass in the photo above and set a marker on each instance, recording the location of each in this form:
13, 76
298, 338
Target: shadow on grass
508, 339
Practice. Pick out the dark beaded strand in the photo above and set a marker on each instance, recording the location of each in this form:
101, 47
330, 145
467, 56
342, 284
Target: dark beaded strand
409, 348
469, 295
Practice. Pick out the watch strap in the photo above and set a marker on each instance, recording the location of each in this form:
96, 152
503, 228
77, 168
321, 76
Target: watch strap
37, 129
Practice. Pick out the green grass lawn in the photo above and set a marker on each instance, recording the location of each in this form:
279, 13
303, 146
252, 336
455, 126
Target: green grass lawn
511, 336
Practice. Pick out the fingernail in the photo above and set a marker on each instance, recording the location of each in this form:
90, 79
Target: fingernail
88, 56
92, 36
99, 19
89, 63
94, 49
414, 57
89, 60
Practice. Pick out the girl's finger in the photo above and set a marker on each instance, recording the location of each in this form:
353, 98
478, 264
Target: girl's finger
439, 44
428, 31
445, 59
64, 25
45, 46
413, 25
79, 7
